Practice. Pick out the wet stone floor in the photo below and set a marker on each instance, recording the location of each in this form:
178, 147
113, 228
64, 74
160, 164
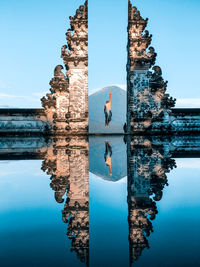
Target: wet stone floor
100, 201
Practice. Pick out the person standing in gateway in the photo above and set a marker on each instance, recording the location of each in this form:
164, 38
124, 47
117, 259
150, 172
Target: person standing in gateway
107, 111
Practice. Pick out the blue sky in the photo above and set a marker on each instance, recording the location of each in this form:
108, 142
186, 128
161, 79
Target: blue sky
32, 33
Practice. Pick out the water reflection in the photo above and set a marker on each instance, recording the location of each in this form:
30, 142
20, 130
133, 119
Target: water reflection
66, 160
147, 168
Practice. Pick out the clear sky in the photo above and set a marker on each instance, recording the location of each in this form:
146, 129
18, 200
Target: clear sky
33, 31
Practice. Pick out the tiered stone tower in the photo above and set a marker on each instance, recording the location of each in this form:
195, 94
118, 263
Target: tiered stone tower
146, 172
67, 162
147, 103
66, 107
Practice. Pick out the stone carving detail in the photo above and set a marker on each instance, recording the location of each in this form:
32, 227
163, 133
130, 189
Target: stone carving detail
67, 162
66, 106
56, 103
147, 103
147, 168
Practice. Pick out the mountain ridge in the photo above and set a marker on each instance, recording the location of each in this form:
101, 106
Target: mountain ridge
123, 87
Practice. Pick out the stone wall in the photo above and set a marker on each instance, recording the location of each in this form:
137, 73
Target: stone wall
185, 120
23, 121
31, 147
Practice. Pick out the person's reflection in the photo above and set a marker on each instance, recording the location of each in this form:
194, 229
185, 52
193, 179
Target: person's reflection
67, 162
107, 111
107, 156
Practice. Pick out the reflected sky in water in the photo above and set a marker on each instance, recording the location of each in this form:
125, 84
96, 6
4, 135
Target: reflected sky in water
32, 232
33, 226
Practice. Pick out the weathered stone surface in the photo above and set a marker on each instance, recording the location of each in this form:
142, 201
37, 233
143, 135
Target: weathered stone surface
149, 108
149, 159
33, 147
67, 162
66, 106
56, 103
185, 120
147, 168
147, 102
23, 121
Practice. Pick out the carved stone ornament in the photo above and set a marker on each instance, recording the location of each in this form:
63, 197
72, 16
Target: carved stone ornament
68, 100
148, 107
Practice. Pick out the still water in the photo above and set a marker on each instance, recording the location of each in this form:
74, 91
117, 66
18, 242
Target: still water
112, 201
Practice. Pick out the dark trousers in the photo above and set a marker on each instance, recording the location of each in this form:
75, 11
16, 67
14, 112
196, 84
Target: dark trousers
108, 116
108, 151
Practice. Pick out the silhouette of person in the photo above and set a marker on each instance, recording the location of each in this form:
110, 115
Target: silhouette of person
107, 111
125, 127
107, 156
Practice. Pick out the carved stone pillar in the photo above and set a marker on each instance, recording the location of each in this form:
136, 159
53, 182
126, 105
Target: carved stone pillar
147, 104
66, 105
56, 103
75, 57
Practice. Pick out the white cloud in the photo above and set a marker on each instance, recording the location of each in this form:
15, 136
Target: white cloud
33, 97
3, 95
188, 103
188, 163
4, 86
39, 94
3, 173
19, 101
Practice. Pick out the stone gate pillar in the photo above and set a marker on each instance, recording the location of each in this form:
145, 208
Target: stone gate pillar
147, 104
76, 60
66, 105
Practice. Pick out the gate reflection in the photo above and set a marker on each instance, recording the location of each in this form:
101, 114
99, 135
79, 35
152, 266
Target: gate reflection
149, 159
